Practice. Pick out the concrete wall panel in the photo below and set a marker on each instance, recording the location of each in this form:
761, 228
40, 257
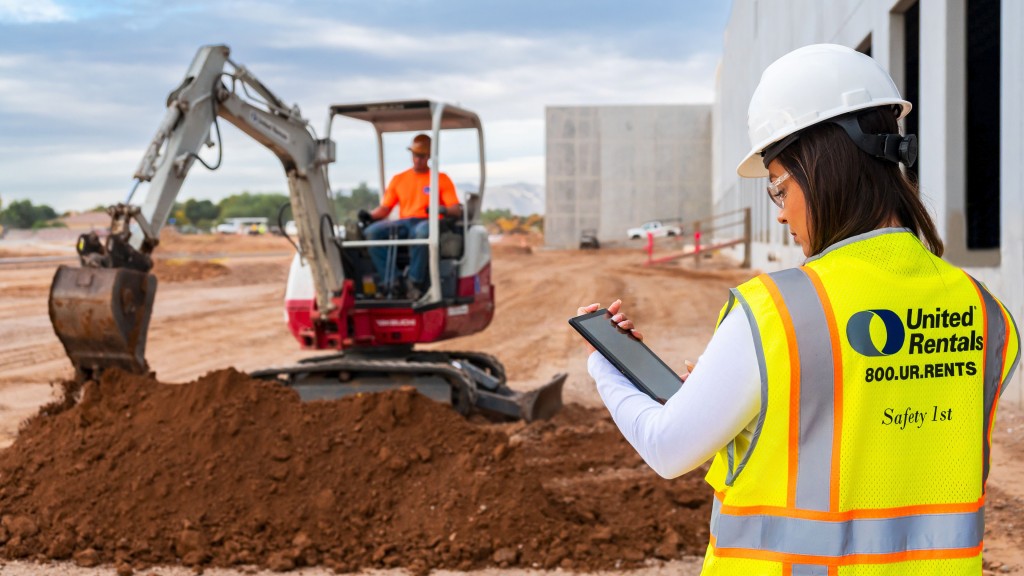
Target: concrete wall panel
626, 165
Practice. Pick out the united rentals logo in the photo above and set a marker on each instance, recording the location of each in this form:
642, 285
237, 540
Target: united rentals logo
858, 332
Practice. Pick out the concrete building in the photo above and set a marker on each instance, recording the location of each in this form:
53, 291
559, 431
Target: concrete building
610, 168
961, 64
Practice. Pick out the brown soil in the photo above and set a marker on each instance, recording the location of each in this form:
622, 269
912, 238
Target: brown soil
235, 320
177, 270
171, 242
228, 470
26, 252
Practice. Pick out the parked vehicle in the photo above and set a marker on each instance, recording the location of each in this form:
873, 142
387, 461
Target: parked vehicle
588, 239
654, 227
256, 225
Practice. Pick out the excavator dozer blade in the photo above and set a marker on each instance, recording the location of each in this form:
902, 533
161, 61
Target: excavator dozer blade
538, 404
101, 316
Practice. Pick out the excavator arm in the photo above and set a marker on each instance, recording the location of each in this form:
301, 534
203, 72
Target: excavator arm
101, 310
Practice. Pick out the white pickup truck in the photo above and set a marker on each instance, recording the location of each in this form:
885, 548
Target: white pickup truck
654, 227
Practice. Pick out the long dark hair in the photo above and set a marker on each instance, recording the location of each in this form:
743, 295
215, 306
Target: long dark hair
849, 192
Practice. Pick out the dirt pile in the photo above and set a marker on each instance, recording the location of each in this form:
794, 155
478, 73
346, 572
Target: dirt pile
175, 270
173, 242
228, 470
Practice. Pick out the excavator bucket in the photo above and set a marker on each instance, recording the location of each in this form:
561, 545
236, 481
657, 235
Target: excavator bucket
538, 404
101, 316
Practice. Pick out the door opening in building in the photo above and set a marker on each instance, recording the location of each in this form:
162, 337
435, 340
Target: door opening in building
982, 146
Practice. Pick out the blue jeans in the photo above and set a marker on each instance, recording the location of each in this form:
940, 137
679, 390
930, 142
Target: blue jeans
404, 229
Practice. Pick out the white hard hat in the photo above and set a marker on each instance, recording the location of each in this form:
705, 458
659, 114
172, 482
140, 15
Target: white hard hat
807, 86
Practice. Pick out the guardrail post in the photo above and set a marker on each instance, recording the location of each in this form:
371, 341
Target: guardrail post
746, 237
696, 244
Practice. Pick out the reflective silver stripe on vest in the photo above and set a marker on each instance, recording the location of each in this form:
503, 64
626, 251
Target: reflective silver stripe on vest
1016, 357
762, 367
810, 570
817, 379
995, 341
836, 539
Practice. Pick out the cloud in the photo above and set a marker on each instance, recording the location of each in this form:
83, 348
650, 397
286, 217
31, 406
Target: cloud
32, 12
289, 31
75, 92
500, 172
77, 87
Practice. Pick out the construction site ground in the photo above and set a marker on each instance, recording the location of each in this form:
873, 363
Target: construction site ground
226, 476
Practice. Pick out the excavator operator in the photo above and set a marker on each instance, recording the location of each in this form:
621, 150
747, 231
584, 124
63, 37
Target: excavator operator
411, 191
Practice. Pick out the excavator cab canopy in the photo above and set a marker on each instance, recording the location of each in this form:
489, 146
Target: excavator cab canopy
423, 116
408, 115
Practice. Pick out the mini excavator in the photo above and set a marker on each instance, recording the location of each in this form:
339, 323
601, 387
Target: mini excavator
101, 309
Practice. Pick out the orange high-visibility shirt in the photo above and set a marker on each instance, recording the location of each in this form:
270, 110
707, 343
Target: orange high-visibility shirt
411, 191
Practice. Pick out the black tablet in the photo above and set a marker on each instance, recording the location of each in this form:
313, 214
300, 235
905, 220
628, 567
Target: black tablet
631, 356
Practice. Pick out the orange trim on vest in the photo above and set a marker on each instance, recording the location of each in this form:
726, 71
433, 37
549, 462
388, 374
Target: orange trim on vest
837, 386
859, 514
908, 556
984, 361
1006, 342
794, 386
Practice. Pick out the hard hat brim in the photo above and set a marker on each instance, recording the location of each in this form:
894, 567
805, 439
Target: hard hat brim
752, 166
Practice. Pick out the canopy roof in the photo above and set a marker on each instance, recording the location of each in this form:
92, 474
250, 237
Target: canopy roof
407, 115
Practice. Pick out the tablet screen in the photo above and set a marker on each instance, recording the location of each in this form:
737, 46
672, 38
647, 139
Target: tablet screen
631, 356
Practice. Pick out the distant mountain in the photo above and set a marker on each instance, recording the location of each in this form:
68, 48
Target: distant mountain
520, 198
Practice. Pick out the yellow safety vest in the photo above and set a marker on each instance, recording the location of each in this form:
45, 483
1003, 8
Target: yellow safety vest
881, 366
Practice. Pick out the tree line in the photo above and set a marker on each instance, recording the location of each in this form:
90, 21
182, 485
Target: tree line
24, 214
203, 215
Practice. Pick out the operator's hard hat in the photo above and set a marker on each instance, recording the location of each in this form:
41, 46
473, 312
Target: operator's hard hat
420, 144
807, 86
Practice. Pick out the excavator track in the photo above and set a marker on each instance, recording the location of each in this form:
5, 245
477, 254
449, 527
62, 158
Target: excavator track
469, 381
338, 376
484, 361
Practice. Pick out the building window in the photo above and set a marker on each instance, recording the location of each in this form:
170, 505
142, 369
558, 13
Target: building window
912, 70
982, 147
865, 46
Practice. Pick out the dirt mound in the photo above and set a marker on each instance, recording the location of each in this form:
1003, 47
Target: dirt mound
186, 270
27, 252
173, 242
228, 470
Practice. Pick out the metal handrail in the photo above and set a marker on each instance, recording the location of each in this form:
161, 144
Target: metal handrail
371, 243
699, 249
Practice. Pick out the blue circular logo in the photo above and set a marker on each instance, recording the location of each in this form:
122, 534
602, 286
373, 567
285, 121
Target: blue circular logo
858, 332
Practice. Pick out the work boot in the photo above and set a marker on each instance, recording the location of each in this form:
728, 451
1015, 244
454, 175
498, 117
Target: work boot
412, 291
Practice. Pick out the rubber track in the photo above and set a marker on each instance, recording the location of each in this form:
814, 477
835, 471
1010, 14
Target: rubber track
481, 360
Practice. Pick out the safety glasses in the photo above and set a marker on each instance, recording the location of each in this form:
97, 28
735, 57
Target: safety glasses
778, 196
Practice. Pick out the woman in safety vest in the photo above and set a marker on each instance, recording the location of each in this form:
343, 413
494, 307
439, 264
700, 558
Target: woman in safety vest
849, 402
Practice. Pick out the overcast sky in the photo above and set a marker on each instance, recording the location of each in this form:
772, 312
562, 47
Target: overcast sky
83, 85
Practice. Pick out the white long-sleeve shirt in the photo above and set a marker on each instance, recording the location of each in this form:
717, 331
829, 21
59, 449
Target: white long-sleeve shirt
719, 400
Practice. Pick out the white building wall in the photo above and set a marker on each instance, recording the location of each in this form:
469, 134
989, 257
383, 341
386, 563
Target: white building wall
760, 31
610, 168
